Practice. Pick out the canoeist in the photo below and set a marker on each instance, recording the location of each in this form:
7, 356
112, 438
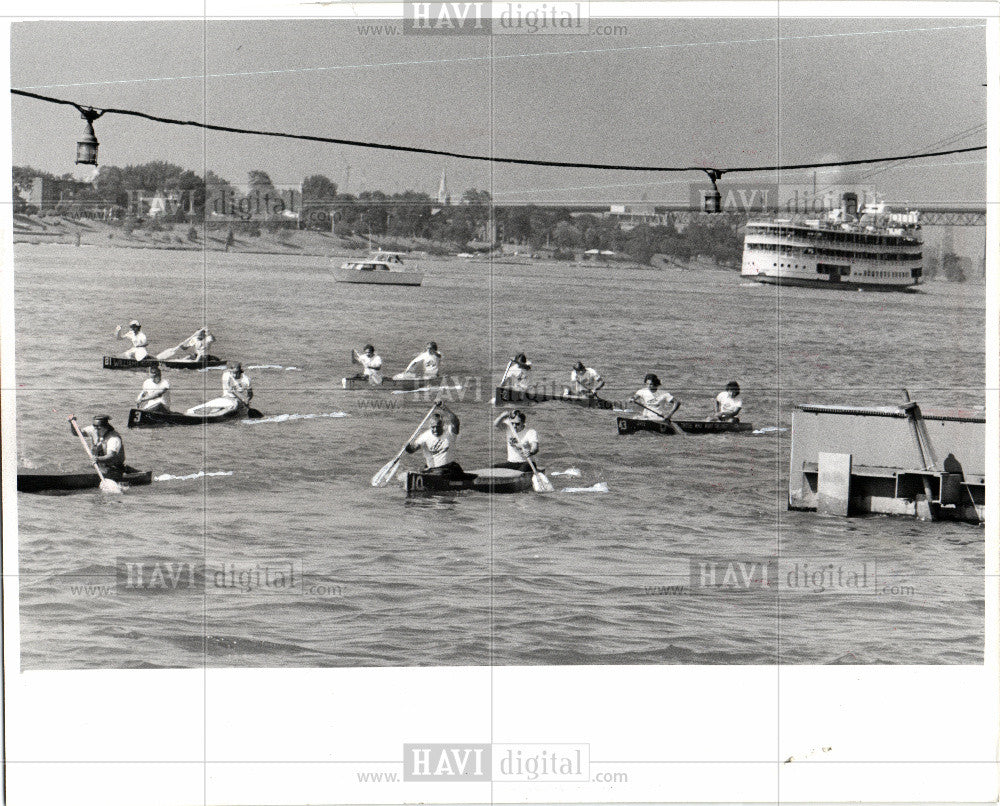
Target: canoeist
155, 394
521, 444
236, 385
371, 363
438, 443
138, 339
584, 380
198, 344
425, 365
728, 404
516, 376
105, 445
655, 400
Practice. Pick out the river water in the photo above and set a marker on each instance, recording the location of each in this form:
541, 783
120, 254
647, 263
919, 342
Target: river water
595, 573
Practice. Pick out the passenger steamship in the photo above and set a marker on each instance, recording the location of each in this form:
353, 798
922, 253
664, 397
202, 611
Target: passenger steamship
873, 248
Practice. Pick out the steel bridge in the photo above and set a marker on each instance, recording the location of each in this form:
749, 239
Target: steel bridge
931, 215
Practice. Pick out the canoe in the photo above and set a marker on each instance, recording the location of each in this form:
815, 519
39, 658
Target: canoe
487, 480
62, 483
116, 362
389, 384
503, 395
139, 418
629, 425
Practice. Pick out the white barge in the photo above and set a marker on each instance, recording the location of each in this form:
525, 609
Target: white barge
381, 268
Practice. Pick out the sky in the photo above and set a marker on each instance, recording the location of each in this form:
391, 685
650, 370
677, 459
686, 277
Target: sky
729, 92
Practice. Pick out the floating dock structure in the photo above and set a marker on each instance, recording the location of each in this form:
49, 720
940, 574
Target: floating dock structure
894, 460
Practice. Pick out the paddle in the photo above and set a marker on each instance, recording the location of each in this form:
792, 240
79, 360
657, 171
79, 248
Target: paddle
677, 428
107, 485
505, 371
163, 355
388, 470
539, 481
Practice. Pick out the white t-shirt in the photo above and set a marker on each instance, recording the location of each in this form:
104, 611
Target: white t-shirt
658, 400
527, 441
200, 346
437, 449
371, 365
429, 361
138, 339
158, 393
585, 380
235, 387
517, 378
728, 403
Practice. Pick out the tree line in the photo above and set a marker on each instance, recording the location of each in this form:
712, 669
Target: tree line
471, 222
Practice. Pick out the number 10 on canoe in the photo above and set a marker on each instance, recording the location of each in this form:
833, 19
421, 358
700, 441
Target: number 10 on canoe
388, 470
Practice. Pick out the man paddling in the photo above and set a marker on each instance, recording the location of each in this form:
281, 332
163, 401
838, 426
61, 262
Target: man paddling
439, 442
655, 401
236, 385
371, 363
105, 445
198, 344
521, 444
584, 380
728, 404
139, 341
425, 365
155, 394
516, 376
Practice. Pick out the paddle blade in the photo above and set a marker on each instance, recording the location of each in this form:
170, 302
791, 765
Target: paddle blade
384, 476
163, 355
540, 482
110, 487
254, 414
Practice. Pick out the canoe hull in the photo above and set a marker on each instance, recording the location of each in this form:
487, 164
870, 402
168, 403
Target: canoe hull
502, 395
138, 418
629, 425
378, 277
64, 483
117, 362
487, 480
388, 384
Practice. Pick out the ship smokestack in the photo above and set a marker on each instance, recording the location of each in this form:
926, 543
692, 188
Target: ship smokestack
849, 205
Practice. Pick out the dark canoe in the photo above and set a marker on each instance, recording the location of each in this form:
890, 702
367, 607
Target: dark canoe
629, 425
487, 480
138, 418
116, 362
59, 483
389, 384
504, 395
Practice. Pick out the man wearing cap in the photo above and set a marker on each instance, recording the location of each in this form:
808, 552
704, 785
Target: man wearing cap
728, 404
655, 400
584, 380
236, 385
155, 394
138, 339
438, 443
105, 445
521, 444
516, 376
371, 364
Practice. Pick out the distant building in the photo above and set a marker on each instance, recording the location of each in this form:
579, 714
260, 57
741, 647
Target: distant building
442, 197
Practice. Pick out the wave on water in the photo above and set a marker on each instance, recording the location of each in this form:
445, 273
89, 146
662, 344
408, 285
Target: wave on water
569, 471
198, 475
424, 389
254, 366
771, 429
284, 418
600, 487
